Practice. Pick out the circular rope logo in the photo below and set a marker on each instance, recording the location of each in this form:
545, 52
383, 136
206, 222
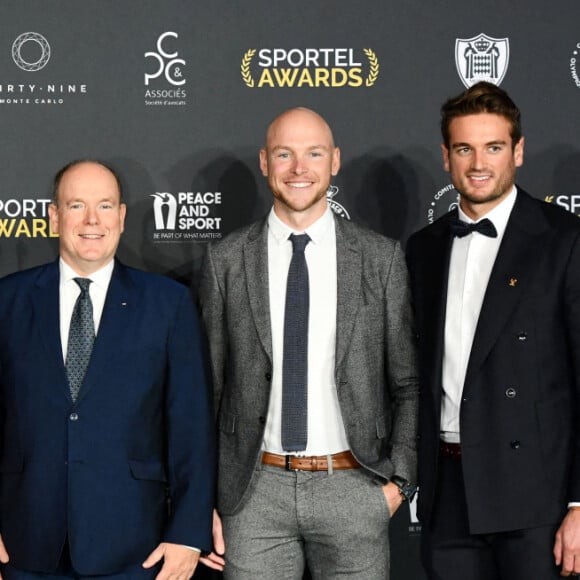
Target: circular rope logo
17, 51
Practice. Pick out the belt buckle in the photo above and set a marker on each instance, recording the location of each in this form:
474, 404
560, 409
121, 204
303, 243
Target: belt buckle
287, 459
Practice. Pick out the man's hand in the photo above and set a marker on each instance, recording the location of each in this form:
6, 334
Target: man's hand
4, 558
393, 497
179, 562
567, 544
216, 560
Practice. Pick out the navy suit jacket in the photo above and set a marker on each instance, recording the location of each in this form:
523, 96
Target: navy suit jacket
519, 413
103, 470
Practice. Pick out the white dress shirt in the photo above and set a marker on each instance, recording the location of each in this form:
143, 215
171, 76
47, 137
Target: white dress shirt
69, 291
326, 434
470, 265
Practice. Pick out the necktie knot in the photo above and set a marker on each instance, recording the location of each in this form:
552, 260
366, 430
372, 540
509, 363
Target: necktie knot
83, 284
461, 229
299, 242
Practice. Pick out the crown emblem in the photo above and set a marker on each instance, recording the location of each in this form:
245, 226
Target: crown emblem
482, 44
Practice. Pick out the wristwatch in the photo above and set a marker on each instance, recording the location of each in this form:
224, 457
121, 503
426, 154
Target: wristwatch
406, 489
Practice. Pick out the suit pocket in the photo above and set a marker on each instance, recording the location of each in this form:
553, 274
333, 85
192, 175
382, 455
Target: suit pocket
555, 426
148, 470
382, 428
227, 423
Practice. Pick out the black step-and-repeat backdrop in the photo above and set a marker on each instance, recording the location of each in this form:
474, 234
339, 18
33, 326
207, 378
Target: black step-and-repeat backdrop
177, 94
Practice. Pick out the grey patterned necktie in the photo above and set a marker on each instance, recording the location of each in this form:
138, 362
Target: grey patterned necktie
81, 337
295, 364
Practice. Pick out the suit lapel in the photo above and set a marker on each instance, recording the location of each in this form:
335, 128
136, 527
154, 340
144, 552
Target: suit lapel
432, 292
46, 308
255, 255
122, 306
349, 280
513, 268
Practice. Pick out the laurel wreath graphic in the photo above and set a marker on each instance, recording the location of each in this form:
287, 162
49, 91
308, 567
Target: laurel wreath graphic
245, 68
374, 70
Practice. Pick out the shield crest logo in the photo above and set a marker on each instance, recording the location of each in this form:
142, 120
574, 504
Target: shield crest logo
481, 58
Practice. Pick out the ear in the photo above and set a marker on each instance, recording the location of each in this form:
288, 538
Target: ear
519, 153
53, 218
445, 152
264, 162
122, 214
335, 161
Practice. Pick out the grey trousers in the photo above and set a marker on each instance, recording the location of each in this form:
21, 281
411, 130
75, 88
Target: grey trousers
337, 524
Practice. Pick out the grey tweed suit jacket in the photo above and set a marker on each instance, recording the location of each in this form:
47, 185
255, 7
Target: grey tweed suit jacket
375, 369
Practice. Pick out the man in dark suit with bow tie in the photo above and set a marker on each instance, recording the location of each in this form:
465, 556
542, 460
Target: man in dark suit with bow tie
104, 411
496, 286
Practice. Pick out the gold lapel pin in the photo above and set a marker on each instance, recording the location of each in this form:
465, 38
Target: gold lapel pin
513, 282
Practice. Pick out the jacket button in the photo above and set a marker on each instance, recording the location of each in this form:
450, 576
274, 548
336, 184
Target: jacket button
515, 444
262, 420
510, 393
73, 417
523, 336
268, 376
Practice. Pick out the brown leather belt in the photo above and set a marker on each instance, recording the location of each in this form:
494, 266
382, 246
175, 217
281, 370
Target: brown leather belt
451, 450
342, 460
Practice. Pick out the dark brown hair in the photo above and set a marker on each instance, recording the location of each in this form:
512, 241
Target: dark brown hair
483, 97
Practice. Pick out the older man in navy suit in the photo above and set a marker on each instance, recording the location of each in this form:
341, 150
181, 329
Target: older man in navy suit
106, 465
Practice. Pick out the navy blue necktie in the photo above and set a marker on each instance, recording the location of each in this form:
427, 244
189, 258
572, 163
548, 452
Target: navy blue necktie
295, 365
461, 229
81, 337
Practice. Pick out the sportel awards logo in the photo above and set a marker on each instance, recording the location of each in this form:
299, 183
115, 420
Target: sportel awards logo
25, 218
31, 53
570, 202
165, 81
443, 201
481, 58
187, 216
310, 67
573, 65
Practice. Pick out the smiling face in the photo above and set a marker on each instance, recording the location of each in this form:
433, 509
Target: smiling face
482, 161
89, 217
299, 159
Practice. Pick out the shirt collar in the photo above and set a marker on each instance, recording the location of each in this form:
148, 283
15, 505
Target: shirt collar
499, 215
100, 278
316, 231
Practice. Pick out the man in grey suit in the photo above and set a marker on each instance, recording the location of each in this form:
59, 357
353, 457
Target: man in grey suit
314, 371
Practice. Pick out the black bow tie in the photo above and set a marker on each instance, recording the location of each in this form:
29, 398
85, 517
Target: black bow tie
461, 229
